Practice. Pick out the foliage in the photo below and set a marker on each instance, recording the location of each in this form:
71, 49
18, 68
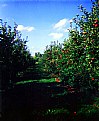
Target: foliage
50, 59
40, 66
89, 109
77, 62
82, 56
14, 54
96, 102
88, 112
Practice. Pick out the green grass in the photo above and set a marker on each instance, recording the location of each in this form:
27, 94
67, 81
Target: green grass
51, 111
38, 81
56, 111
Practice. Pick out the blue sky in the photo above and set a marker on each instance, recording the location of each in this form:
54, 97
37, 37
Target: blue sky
42, 21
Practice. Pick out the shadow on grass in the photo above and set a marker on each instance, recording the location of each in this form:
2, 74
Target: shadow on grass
39, 102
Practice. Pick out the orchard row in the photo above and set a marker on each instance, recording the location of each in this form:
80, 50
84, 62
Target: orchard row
76, 61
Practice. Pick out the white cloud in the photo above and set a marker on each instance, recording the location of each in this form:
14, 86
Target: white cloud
23, 28
70, 20
66, 30
60, 28
61, 24
56, 35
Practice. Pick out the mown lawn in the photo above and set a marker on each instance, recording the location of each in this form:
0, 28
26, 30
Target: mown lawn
38, 81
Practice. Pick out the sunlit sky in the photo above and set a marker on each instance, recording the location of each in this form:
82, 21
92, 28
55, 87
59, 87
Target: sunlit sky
42, 21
